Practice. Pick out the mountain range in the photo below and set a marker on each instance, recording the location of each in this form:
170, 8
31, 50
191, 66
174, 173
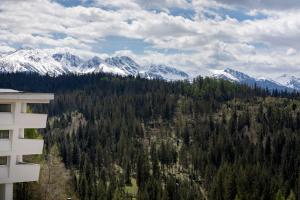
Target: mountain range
54, 64
57, 63
283, 82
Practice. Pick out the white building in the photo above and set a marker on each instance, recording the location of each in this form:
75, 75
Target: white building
14, 119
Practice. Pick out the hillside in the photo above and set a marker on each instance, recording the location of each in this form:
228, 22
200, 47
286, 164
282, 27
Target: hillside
150, 139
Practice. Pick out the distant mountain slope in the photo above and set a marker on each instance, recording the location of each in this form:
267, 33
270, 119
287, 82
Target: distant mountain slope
165, 72
289, 81
58, 63
126, 64
31, 60
239, 77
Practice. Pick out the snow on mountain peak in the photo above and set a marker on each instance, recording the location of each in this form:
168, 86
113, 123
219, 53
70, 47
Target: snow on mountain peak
165, 72
94, 62
224, 74
63, 62
289, 81
67, 59
48, 61
236, 76
129, 66
30, 60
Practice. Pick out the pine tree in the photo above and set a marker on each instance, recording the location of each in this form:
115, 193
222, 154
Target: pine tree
143, 169
127, 173
279, 195
291, 196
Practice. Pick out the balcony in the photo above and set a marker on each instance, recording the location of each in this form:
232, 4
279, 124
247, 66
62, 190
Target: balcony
22, 172
5, 146
6, 119
24, 120
29, 146
3, 173
27, 120
25, 172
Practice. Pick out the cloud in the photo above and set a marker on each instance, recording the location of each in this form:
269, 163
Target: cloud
209, 38
129, 4
165, 3
136, 4
291, 52
263, 4
5, 49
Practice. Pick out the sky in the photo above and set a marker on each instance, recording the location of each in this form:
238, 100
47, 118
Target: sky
258, 37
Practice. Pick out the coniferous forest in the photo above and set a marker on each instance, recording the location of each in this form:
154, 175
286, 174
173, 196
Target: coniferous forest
132, 138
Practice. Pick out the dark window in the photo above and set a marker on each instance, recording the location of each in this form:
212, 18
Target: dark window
4, 134
3, 160
5, 108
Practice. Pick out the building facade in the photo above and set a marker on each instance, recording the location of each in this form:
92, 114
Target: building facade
14, 120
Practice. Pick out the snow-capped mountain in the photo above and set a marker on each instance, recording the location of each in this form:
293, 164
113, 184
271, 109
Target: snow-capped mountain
289, 81
164, 72
67, 59
92, 63
54, 63
239, 77
31, 60
126, 64
58, 63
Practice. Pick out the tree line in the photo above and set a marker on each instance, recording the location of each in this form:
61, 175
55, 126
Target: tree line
205, 139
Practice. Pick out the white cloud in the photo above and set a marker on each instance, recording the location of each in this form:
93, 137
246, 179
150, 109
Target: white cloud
128, 4
183, 4
263, 4
136, 4
5, 49
268, 45
291, 52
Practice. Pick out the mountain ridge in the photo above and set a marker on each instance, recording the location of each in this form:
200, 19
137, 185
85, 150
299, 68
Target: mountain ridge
54, 64
48, 61
240, 77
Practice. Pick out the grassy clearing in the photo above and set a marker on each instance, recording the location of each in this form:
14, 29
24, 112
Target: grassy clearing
132, 189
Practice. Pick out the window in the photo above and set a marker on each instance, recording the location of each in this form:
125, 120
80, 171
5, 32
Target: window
5, 108
3, 160
4, 134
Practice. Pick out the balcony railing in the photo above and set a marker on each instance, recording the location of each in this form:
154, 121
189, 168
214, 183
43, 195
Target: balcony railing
25, 120
6, 119
3, 173
5, 145
32, 120
29, 146
25, 172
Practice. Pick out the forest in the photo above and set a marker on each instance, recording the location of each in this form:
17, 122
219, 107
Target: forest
133, 138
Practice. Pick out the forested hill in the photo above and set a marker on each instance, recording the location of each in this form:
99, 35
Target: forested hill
125, 138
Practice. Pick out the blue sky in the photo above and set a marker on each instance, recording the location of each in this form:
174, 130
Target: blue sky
259, 38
